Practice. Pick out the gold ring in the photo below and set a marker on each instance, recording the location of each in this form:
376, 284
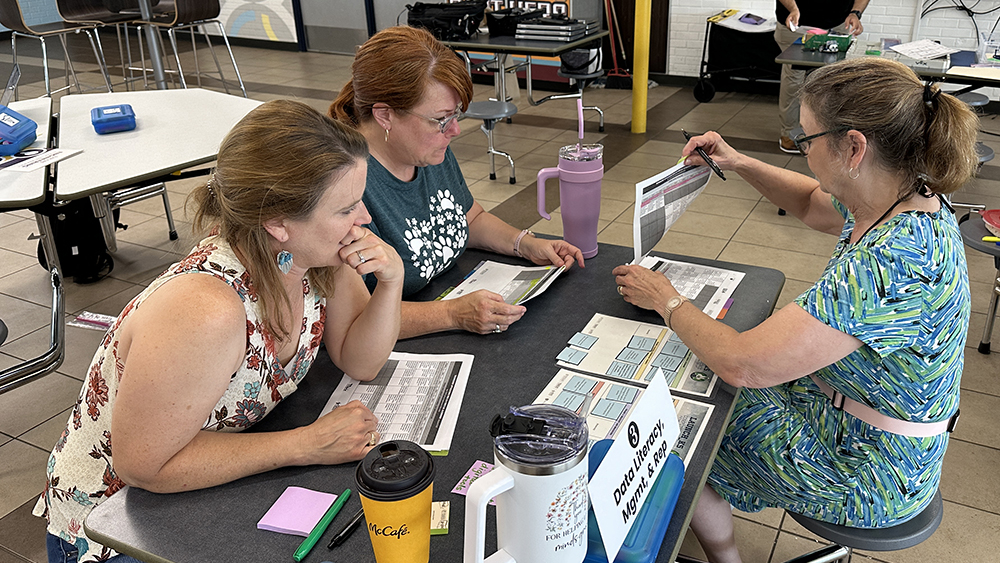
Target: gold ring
362, 258
372, 441
620, 291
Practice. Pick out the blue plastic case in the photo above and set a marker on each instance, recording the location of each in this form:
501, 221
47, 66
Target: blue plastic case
111, 119
16, 131
642, 543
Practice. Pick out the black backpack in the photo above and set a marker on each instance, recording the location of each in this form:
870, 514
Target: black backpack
79, 241
448, 22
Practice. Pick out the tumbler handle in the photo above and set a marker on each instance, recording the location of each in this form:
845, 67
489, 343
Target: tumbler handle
480, 492
544, 174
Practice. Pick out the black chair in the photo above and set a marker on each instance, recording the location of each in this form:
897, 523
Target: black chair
893, 538
973, 230
191, 14
12, 17
490, 112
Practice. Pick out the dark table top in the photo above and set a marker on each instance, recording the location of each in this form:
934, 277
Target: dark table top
511, 368
509, 45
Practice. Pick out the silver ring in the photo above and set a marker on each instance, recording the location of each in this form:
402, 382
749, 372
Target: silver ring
362, 258
620, 291
497, 330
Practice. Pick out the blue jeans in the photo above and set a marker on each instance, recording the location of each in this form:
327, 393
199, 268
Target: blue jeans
61, 551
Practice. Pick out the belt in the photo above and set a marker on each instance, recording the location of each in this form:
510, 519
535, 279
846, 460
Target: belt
881, 421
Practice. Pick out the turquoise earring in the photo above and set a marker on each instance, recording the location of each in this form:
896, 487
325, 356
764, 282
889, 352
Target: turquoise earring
285, 261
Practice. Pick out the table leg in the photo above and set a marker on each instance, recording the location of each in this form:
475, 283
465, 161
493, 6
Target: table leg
155, 54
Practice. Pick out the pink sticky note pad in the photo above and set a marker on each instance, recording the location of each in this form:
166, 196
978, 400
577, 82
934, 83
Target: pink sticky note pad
296, 511
478, 469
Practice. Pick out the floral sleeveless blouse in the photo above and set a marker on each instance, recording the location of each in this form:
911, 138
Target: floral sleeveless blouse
80, 470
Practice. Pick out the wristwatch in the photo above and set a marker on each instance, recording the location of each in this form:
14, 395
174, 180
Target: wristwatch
856, 13
672, 304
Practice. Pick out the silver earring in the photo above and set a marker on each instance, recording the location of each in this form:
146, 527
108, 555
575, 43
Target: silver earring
285, 261
854, 177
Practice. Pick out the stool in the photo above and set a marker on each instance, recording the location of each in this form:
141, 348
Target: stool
581, 82
973, 230
892, 538
974, 100
491, 112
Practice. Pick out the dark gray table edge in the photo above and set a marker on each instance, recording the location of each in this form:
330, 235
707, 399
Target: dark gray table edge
509, 45
755, 309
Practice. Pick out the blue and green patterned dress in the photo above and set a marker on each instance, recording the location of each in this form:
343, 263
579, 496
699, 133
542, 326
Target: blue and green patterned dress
903, 290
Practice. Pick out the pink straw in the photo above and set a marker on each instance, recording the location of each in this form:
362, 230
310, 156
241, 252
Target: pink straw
579, 117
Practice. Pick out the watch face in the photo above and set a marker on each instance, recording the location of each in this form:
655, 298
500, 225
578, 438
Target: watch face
675, 302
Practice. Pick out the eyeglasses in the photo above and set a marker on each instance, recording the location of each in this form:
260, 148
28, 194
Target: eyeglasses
444, 122
802, 142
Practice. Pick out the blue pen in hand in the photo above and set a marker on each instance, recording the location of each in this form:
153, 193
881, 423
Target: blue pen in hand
704, 156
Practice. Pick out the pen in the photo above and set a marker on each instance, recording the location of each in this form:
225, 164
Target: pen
704, 156
991, 239
321, 527
347, 530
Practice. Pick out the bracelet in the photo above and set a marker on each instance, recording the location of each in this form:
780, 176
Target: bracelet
517, 242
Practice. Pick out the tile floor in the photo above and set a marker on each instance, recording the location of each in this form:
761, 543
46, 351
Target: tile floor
730, 221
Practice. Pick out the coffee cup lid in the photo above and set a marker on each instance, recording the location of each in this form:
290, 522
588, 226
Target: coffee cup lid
396, 465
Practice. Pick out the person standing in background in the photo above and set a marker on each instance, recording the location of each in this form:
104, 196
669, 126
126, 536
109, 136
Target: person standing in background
839, 16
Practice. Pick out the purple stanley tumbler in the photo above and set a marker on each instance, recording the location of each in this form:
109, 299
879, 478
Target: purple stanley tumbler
580, 171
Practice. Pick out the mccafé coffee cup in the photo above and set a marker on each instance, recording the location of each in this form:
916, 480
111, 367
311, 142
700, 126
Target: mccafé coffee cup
396, 483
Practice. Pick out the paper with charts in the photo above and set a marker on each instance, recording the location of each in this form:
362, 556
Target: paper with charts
516, 284
416, 397
630, 350
709, 288
606, 405
660, 201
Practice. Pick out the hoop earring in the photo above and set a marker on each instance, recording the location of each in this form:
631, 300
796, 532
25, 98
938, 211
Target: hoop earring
856, 176
284, 261
387, 135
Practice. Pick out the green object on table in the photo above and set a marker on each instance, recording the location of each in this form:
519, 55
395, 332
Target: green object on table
320, 528
815, 41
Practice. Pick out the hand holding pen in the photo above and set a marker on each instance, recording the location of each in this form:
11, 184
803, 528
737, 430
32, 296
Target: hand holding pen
704, 156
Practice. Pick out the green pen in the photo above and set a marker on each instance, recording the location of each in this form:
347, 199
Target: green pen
306, 546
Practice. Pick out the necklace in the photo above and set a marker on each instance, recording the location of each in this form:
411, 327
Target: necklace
924, 192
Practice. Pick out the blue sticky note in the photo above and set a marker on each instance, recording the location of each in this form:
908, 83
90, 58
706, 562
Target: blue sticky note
631, 355
622, 369
571, 401
581, 340
580, 384
670, 363
622, 393
676, 349
608, 409
571, 356
642, 343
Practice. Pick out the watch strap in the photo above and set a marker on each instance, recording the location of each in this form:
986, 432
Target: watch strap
856, 13
668, 311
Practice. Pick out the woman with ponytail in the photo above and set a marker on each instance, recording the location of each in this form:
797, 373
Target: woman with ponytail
849, 392
221, 337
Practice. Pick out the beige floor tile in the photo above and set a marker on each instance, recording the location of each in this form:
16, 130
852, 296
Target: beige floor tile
136, 263
614, 210
14, 237
80, 345
981, 370
35, 402
795, 265
791, 290
966, 463
11, 262
22, 474
686, 244
621, 191
778, 236
979, 421
661, 148
714, 226
22, 317
721, 205
32, 284
46, 434
965, 534
615, 233
629, 175
790, 546
8, 218
753, 540
734, 186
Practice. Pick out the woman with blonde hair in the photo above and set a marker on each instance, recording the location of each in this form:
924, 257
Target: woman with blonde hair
849, 392
221, 337
406, 95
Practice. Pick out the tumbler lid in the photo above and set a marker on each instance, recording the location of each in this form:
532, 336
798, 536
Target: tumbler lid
540, 439
394, 466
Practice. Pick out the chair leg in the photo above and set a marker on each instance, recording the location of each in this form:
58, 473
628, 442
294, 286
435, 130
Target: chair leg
991, 313
95, 44
218, 66
599, 112
232, 58
488, 129
69, 66
827, 554
177, 57
170, 216
13, 49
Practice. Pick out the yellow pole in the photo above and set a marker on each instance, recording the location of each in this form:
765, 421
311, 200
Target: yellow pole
640, 64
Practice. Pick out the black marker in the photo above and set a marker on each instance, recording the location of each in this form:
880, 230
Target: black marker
347, 530
704, 156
